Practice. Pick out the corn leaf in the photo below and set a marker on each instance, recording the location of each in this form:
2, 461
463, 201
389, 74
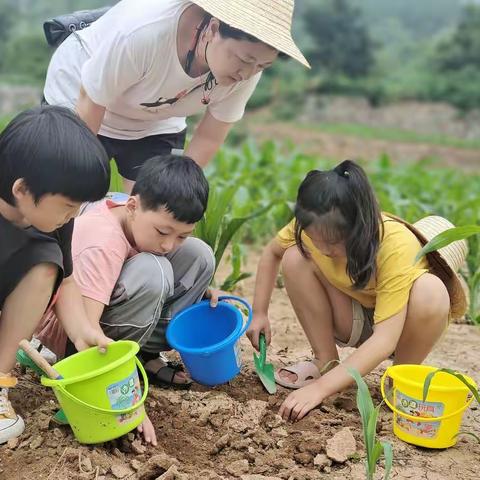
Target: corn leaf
476, 437
231, 227
459, 376
446, 238
364, 404
388, 454
377, 452
374, 449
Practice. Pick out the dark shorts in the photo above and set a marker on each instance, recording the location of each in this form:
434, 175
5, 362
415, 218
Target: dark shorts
24, 260
130, 155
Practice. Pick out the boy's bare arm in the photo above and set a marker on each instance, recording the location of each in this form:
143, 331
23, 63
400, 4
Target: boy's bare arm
94, 310
72, 313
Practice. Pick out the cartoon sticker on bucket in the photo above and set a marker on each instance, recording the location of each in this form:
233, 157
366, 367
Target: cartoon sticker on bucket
417, 408
125, 394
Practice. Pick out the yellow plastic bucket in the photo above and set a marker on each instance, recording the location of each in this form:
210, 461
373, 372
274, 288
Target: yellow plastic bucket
100, 394
435, 422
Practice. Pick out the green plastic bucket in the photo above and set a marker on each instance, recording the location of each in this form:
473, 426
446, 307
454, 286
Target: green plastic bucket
101, 393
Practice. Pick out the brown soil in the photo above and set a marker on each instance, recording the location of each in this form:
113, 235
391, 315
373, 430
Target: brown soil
340, 147
232, 431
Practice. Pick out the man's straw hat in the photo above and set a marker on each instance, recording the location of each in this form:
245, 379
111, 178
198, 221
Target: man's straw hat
446, 262
268, 20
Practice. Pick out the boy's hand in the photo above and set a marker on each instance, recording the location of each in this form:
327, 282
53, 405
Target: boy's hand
301, 401
146, 427
260, 323
213, 294
90, 337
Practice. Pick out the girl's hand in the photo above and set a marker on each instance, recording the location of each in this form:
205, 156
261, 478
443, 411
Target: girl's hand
260, 323
301, 401
90, 337
146, 428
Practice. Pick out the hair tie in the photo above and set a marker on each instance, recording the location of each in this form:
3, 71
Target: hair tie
341, 172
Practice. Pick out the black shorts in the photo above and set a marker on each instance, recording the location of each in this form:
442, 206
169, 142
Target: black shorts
130, 155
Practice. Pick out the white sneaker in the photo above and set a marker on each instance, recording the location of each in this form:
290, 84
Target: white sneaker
11, 425
47, 354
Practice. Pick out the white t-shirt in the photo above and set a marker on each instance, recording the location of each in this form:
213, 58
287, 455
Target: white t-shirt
127, 61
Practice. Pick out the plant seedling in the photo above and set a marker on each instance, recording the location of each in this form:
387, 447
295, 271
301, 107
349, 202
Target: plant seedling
369, 415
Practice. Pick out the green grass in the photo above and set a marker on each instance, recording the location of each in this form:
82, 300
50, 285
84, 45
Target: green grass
392, 134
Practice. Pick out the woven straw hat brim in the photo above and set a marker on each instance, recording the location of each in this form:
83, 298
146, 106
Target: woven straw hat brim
268, 20
445, 262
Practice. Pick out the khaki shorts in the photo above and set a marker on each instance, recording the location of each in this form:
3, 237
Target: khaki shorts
362, 328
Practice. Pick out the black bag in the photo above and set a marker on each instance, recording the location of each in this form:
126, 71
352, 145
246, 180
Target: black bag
59, 28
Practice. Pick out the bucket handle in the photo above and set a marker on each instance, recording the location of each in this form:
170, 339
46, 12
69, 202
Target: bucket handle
107, 410
418, 419
246, 304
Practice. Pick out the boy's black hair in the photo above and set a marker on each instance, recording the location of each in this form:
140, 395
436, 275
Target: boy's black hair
341, 205
175, 182
55, 152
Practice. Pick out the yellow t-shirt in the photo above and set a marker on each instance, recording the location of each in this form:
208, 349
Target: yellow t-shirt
388, 291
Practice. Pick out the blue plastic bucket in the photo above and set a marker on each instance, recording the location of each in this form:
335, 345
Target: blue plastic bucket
207, 339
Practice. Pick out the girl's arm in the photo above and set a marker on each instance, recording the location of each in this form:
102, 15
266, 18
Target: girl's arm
267, 272
91, 113
208, 137
367, 357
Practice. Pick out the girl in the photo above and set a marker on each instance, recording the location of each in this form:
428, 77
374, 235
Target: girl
350, 274
139, 70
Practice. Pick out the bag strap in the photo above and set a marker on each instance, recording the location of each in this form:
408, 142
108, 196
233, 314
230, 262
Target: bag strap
59, 28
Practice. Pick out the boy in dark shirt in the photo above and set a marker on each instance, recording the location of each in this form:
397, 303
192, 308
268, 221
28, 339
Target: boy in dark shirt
50, 163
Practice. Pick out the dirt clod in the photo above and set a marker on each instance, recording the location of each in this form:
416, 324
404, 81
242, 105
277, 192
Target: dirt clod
121, 471
341, 446
238, 468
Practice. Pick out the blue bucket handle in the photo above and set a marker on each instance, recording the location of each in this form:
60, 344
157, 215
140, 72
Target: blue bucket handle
108, 410
244, 303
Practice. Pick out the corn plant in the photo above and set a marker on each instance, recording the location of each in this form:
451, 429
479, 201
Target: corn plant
218, 227
237, 275
369, 415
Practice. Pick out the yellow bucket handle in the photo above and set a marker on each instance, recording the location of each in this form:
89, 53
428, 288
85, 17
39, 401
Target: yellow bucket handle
106, 410
418, 419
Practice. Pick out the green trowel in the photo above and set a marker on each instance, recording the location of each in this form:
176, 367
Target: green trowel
26, 362
264, 370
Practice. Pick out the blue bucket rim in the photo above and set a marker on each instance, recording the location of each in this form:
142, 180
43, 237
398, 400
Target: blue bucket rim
233, 337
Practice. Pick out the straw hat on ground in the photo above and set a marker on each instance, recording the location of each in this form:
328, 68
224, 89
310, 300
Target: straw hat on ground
268, 20
446, 262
